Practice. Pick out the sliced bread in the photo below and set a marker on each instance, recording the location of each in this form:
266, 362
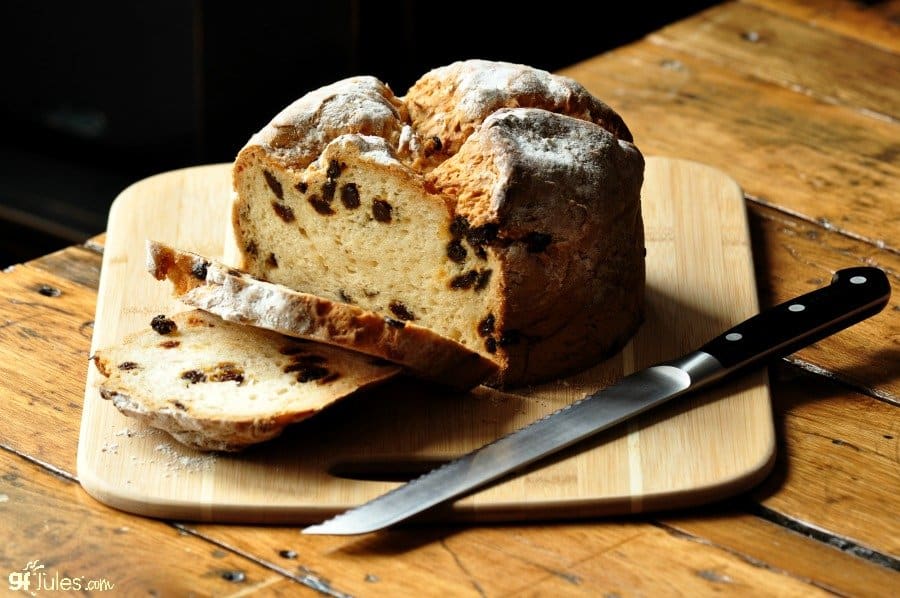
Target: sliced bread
216, 385
237, 296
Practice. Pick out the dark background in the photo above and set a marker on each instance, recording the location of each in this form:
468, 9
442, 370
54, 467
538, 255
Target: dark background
99, 95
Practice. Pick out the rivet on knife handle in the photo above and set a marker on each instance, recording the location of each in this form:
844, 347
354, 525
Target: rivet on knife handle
853, 295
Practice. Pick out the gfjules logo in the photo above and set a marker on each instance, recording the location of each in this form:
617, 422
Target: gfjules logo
34, 577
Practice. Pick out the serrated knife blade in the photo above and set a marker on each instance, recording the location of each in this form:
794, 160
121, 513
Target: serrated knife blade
853, 295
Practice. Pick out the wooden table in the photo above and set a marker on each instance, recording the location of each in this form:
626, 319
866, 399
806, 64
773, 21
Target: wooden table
800, 102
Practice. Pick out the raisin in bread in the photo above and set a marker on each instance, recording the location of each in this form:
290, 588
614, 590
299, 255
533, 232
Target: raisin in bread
236, 296
216, 385
495, 204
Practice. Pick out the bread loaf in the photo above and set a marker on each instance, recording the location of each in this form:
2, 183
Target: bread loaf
236, 296
216, 385
496, 204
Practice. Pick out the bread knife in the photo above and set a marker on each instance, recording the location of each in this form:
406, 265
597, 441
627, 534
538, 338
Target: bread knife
853, 295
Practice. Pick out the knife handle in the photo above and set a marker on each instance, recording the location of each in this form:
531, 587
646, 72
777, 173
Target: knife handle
853, 295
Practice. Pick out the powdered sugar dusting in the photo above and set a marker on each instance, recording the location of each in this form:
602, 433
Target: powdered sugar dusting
363, 105
484, 86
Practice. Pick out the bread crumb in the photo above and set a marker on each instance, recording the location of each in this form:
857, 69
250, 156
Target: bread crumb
176, 461
110, 447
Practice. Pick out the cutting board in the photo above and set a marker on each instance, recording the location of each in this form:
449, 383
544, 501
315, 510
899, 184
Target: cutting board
699, 281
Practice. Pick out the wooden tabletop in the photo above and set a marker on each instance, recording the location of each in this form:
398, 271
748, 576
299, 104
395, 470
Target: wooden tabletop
799, 101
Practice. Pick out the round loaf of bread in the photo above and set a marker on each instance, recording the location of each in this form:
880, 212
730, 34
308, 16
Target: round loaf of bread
496, 204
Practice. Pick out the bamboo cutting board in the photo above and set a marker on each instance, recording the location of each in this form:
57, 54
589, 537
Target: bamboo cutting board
699, 281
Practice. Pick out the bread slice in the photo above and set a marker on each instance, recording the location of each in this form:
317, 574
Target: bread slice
216, 385
236, 296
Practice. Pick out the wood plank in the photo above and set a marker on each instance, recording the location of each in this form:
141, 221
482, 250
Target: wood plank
793, 257
690, 570
791, 54
76, 263
874, 23
770, 139
46, 323
838, 454
512, 560
772, 546
48, 517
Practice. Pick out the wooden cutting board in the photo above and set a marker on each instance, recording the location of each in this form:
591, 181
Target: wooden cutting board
699, 281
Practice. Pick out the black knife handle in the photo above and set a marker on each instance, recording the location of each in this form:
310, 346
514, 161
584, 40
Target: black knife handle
853, 295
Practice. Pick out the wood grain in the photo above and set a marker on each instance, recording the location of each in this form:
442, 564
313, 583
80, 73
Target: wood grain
797, 256
47, 517
511, 560
793, 55
873, 23
723, 444
851, 456
844, 176
774, 547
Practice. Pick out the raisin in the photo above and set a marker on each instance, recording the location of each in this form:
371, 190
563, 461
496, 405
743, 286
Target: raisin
510, 337
272, 261
329, 378
284, 212
433, 145
464, 281
483, 235
303, 361
490, 344
486, 326
301, 187
481, 282
381, 210
226, 372
252, 248
328, 189
480, 252
537, 242
334, 170
308, 373
274, 185
163, 325
127, 365
169, 344
394, 323
320, 205
459, 227
198, 270
193, 376
401, 311
350, 196
456, 252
